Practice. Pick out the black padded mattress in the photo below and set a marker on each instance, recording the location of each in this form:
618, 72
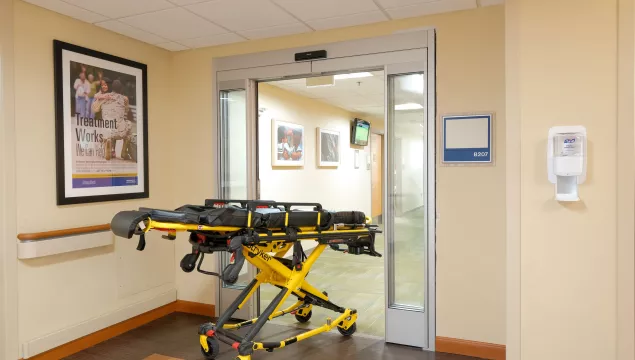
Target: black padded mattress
261, 218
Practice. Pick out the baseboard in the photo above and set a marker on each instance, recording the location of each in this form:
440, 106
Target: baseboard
103, 334
89, 333
194, 308
470, 348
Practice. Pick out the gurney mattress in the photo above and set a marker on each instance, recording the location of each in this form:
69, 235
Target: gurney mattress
261, 218
238, 217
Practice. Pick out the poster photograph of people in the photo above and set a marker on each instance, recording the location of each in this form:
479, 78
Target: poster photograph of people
101, 126
289, 144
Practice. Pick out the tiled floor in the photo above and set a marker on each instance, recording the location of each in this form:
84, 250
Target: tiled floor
175, 336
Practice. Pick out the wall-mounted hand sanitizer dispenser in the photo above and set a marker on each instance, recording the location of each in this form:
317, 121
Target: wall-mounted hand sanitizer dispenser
566, 160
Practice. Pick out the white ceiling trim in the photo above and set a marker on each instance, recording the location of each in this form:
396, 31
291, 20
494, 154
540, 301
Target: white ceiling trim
177, 25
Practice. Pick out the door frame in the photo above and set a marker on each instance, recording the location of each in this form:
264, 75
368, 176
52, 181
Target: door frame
381, 135
354, 55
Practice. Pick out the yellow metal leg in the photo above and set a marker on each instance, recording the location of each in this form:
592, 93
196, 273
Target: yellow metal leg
347, 319
291, 282
288, 310
203, 341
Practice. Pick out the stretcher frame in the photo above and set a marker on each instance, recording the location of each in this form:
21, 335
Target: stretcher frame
265, 251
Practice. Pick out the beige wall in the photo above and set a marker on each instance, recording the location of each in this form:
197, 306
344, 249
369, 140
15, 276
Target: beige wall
332, 187
626, 182
8, 278
68, 289
567, 253
471, 201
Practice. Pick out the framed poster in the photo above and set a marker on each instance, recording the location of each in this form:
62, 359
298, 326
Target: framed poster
101, 126
467, 139
328, 147
288, 144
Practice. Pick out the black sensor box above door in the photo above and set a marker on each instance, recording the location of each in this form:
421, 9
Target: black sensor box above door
310, 55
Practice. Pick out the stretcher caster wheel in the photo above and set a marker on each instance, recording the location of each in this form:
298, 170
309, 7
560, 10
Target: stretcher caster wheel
351, 330
214, 349
303, 319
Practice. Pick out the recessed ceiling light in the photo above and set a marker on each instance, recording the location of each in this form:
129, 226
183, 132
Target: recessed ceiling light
353, 75
322, 85
320, 81
408, 106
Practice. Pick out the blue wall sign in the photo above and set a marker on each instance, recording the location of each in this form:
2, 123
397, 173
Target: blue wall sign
467, 139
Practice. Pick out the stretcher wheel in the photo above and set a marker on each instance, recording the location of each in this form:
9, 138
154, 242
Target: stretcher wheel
303, 319
351, 330
214, 349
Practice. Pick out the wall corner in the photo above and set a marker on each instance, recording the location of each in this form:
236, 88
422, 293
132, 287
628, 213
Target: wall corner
9, 343
626, 182
513, 178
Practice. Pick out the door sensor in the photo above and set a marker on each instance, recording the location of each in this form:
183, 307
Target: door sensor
310, 55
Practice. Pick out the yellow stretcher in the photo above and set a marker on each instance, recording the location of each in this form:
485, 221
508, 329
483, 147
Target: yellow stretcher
260, 232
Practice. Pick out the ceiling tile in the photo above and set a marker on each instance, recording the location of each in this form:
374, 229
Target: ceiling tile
120, 8
333, 103
430, 8
130, 31
375, 110
69, 10
313, 10
172, 46
348, 20
243, 14
186, 2
350, 101
274, 31
376, 99
389, 4
212, 40
174, 24
491, 2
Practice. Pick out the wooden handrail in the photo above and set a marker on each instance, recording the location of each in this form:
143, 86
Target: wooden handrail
64, 232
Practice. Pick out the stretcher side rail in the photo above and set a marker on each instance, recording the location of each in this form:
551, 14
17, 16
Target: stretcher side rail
253, 204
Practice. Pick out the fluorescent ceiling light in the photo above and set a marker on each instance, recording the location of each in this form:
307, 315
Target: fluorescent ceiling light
323, 85
320, 81
353, 75
408, 106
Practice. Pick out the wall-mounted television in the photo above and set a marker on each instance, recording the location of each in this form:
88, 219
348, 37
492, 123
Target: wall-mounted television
360, 132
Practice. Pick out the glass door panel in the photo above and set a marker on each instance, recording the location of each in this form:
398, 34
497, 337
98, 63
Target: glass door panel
234, 179
234, 142
409, 230
407, 207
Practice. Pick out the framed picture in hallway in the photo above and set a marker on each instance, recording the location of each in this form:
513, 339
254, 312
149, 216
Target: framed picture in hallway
328, 148
101, 126
288, 143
